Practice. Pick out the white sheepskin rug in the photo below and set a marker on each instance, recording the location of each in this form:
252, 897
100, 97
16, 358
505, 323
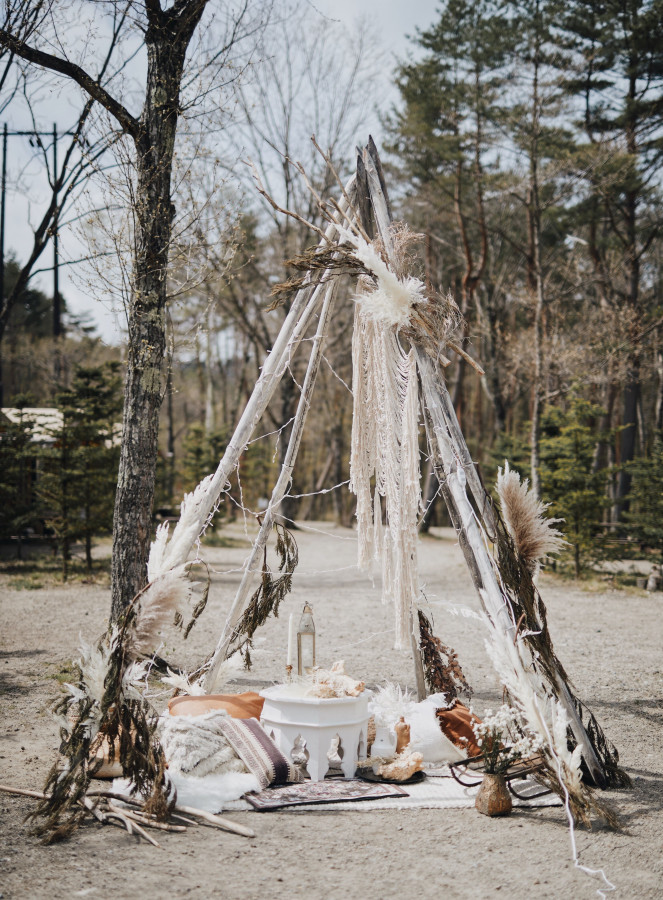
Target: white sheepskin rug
202, 766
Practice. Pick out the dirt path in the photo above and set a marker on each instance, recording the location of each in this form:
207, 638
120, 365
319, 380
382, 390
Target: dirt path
611, 643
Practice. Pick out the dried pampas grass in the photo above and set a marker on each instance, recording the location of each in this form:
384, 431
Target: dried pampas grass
534, 535
164, 601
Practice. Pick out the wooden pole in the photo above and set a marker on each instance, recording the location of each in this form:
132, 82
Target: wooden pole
456, 473
371, 180
251, 566
303, 308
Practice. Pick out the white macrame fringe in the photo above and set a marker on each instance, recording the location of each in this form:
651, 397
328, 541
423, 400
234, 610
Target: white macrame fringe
385, 445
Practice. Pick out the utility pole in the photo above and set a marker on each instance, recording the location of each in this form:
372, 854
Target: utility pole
57, 316
57, 301
2, 237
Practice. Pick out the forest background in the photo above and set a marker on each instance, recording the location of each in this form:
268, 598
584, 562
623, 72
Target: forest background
524, 148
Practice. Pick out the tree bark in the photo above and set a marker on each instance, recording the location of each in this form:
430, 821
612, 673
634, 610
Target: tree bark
536, 273
631, 388
167, 39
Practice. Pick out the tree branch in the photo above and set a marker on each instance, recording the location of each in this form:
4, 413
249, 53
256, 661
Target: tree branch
47, 61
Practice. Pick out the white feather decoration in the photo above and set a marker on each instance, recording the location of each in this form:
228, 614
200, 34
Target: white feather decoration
170, 554
134, 679
165, 597
181, 682
389, 703
391, 301
93, 664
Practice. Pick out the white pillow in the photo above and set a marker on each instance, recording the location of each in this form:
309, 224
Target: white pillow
426, 736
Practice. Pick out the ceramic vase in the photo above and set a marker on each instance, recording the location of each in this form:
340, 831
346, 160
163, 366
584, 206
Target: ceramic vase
493, 798
385, 742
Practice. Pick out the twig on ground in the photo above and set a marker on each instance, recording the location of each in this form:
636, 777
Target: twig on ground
217, 821
131, 825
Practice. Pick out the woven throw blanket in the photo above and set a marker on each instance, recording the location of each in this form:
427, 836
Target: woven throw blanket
196, 745
258, 752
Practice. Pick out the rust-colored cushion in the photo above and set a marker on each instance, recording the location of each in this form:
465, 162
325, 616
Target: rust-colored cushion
456, 724
239, 706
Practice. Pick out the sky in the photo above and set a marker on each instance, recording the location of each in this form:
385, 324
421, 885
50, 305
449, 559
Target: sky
392, 21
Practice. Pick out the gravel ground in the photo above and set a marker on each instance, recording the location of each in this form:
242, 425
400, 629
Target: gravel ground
610, 642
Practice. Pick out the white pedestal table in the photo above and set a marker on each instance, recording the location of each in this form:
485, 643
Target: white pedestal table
290, 718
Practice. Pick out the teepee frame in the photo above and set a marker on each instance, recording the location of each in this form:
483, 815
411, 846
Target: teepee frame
504, 584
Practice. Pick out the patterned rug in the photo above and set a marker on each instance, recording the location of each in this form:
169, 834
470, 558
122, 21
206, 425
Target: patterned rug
437, 791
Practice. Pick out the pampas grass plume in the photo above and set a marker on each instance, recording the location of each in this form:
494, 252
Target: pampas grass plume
533, 534
163, 599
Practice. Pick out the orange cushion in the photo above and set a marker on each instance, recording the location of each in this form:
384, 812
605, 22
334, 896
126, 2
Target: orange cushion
239, 706
456, 724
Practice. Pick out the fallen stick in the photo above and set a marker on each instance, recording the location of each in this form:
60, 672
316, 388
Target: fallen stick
183, 819
92, 809
209, 818
39, 795
217, 821
115, 795
151, 823
125, 823
132, 826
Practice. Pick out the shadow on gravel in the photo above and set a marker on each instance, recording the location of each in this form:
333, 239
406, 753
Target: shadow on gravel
641, 707
19, 654
9, 686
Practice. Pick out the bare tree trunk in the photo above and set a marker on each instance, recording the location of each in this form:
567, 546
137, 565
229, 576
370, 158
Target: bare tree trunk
431, 492
491, 383
658, 420
167, 39
631, 388
630, 399
210, 418
536, 275
537, 392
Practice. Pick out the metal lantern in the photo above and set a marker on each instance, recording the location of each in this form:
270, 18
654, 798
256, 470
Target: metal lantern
306, 641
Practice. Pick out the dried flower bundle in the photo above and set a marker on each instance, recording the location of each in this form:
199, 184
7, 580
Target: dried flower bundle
442, 670
534, 535
269, 595
504, 739
108, 699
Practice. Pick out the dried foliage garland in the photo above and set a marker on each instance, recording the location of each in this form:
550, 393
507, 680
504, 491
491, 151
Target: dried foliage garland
442, 670
315, 260
124, 719
529, 609
107, 704
269, 594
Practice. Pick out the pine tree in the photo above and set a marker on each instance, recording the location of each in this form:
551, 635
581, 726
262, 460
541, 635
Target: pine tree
445, 135
18, 505
615, 71
79, 475
575, 491
201, 453
645, 517
96, 395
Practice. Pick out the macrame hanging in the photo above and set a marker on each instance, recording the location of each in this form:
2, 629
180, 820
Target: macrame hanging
385, 440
